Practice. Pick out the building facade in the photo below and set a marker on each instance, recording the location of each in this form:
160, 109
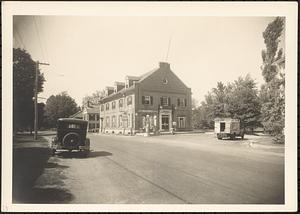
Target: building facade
157, 101
91, 114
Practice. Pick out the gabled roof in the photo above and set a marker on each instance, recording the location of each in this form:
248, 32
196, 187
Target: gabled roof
94, 109
139, 80
145, 75
77, 114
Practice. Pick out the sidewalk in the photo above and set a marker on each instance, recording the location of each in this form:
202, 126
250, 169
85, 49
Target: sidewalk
30, 158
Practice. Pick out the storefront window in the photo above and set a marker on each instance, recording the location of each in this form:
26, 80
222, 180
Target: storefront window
113, 121
120, 121
107, 121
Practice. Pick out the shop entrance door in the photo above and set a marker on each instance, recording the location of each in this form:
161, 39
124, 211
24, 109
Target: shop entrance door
165, 122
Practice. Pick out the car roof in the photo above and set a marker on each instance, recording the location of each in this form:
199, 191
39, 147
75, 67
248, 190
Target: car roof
72, 120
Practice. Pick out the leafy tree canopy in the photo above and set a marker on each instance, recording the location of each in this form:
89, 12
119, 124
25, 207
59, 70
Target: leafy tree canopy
93, 99
272, 94
24, 69
59, 106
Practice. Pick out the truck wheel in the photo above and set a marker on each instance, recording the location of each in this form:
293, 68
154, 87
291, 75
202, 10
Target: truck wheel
232, 136
242, 136
219, 137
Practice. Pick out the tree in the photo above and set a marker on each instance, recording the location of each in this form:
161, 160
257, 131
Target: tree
24, 69
235, 100
272, 92
243, 102
59, 106
41, 115
94, 98
200, 119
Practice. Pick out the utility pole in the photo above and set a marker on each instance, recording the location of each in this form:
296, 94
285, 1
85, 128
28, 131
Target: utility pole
36, 98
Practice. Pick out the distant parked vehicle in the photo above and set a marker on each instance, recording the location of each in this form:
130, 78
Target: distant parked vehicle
71, 135
228, 127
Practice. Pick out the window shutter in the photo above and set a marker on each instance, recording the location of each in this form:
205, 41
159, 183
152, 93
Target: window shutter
169, 101
151, 100
185, 103
143, 99
178, 101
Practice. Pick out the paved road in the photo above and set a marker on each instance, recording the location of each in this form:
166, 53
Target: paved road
169, 169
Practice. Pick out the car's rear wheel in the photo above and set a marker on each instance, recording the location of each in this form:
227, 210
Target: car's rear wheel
71, 140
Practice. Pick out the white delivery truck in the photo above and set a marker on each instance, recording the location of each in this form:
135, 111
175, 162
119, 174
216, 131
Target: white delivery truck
228, 127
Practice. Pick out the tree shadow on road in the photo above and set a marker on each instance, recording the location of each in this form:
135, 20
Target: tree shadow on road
235, 139
55, 165
92, 154
29, 164
43, 196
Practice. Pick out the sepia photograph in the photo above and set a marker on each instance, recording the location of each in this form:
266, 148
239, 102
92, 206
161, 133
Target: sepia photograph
153, 106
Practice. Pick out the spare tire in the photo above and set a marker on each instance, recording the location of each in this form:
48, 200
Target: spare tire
71, 140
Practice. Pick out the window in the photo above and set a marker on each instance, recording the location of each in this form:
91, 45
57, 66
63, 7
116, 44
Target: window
129, 120
120, 121
125, 121
181, 122
102, 107
107, 106
92, 117
222, 126
147, 100
129, 100
74, 126
113, 105
120, 103
181, 102
113, 121
165, 81
91, 125
165, 101
97, 117
107, 121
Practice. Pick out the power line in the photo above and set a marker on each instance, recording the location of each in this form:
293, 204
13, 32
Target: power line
20, 39
43, 37
40, 42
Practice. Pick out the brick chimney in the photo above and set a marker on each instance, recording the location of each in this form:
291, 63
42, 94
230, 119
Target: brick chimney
164, 65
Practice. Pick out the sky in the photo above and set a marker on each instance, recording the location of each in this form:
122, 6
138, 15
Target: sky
88, 53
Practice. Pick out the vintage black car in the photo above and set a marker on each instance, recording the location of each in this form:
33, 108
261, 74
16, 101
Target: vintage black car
71, 135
